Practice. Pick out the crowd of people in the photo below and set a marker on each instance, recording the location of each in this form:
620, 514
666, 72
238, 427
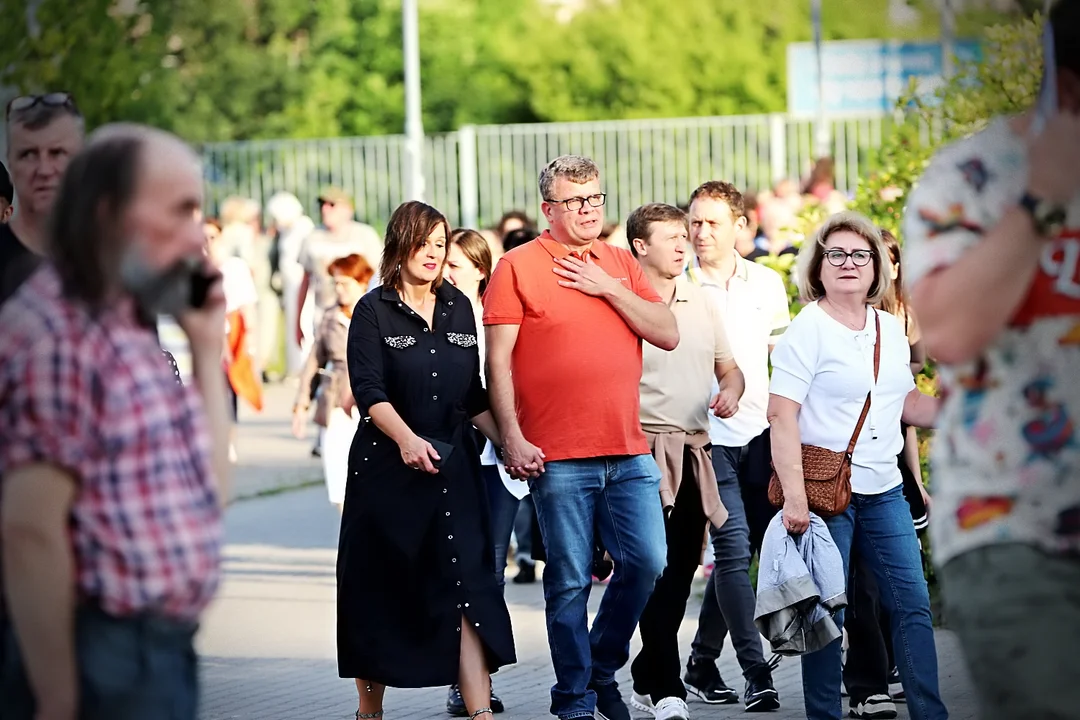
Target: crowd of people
644, 386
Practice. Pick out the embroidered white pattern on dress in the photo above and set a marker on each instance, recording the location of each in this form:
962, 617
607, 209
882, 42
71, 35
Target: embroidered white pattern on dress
462, 340
400, 342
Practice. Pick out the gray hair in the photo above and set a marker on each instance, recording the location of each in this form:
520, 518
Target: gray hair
574, 168
42, 116
812, 254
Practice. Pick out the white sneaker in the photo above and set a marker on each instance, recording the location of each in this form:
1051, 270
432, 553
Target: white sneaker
642, 703
671, 708
876, 707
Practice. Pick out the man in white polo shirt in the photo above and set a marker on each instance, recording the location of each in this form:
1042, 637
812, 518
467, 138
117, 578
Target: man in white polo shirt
754, 307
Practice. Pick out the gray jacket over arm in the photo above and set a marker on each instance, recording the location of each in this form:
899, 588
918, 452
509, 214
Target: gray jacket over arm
801, 584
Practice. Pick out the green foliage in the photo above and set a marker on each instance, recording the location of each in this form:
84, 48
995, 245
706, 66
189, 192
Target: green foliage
1005, 81
215, 70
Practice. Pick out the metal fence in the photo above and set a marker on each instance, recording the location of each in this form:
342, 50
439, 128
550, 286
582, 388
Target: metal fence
479, 172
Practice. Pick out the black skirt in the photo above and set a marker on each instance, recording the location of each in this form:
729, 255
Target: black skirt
415, 561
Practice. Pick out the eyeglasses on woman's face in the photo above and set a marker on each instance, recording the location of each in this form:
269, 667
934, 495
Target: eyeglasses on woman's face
859, 258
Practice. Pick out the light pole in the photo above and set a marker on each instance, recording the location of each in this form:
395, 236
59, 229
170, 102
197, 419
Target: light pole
948, 39
823, 134
414, 124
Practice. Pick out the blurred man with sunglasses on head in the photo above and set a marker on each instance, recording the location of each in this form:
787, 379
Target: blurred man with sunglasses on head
338, 236
43, 133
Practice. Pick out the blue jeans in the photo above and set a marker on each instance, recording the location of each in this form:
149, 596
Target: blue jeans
619, 496
128, 669
504, 510
880, 527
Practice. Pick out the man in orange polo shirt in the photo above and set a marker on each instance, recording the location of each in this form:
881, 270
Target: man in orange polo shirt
565, 316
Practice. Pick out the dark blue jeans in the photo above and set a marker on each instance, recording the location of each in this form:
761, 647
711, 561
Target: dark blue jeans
129, 669
880, 527
619, 496
504, 510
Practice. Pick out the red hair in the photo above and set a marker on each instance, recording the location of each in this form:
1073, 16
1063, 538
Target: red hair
354, 266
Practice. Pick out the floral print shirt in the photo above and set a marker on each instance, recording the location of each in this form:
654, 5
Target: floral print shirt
1006, 457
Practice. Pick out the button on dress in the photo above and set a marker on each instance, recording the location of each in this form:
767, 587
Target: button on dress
415, 553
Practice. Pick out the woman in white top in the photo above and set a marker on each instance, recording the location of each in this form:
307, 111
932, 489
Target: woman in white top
822, 372
468, 267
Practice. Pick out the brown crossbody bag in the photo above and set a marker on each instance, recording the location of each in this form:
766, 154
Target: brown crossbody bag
827, 473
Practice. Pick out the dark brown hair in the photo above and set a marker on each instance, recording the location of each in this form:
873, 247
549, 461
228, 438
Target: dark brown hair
85, 236
354, 266
509, 215
478, 251
406, 233
824, 171
725, 192
639, 224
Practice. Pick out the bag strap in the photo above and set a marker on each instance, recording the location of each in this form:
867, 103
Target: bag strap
866, 405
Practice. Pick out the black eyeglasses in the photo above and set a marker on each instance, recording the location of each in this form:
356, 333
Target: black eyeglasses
837, 258
56, 99
576, 203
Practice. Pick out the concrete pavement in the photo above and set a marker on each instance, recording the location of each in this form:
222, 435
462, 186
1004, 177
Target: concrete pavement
268, 641
270, 458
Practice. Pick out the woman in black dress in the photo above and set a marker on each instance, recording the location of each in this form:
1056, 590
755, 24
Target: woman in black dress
418, 600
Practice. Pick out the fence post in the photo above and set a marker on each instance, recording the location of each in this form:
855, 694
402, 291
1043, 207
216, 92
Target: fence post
778, 147
467, 183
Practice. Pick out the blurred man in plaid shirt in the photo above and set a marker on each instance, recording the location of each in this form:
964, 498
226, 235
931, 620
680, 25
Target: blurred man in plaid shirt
110, 521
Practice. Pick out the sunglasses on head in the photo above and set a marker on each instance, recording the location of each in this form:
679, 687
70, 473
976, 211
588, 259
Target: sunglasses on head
56, 99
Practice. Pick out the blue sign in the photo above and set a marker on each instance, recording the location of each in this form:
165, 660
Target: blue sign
866, 76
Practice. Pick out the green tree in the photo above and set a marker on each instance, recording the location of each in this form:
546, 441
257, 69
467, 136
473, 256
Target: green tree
1005, 81
672, 58
107, 56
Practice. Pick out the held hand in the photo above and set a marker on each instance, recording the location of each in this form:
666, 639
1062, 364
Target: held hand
299, 423
796, 514
588, 278
1054, 159
725, 404
418, 454
522, 459
205, 326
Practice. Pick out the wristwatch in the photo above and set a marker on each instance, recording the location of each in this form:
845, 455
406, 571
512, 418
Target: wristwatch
1049, 217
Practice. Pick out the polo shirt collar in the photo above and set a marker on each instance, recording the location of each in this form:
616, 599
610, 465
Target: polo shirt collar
557, 250
698, 277
682, 286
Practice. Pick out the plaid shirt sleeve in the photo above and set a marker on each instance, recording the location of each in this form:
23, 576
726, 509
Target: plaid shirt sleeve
50, 397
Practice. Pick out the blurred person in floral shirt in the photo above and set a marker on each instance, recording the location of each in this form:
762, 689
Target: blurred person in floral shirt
993, 257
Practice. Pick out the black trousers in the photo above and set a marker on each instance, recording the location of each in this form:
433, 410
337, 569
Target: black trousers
869, 655
656, 669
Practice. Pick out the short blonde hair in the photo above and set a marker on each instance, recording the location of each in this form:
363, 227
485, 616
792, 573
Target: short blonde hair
812, 255
237, 209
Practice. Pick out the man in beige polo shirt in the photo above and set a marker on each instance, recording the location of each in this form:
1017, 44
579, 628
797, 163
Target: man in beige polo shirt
675, 403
